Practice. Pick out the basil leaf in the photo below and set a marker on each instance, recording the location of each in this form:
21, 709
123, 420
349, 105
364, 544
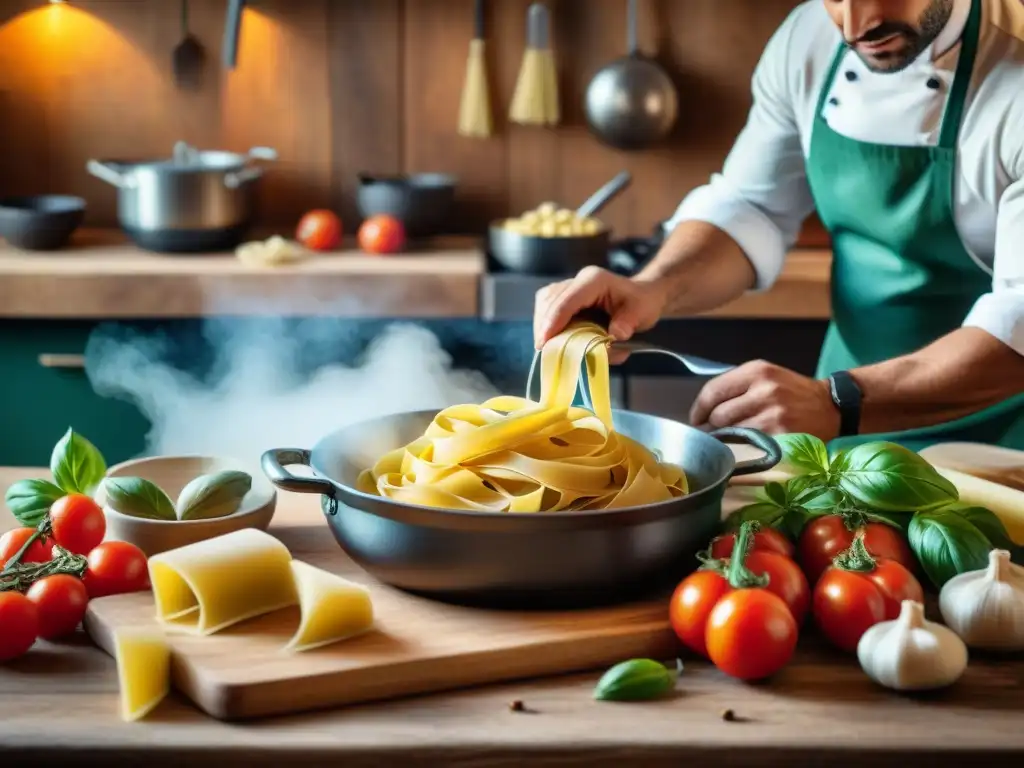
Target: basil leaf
138, 497
890, 478
30, 500
947, 544
803, 454
76, 464
839, 463
636, 680
820, 499
986, 521
775, 493
898, 520
767, 514
794, 519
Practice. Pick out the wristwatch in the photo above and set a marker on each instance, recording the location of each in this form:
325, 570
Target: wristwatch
847, 397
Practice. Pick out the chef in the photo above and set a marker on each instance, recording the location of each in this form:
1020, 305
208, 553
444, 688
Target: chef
902, 123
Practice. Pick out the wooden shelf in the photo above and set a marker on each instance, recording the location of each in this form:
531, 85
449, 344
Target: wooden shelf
102, 275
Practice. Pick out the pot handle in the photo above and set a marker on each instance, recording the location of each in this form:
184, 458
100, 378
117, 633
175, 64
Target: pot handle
273, 463
235, 179
106, 173
756, 438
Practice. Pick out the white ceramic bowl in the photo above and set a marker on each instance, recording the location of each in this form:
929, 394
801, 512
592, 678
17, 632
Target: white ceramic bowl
172, 473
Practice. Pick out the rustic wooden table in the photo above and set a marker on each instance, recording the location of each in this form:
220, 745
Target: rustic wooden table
58, 705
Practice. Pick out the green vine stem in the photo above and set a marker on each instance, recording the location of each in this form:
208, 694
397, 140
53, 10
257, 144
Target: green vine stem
41, 533
856, 557
24, 575
738, 575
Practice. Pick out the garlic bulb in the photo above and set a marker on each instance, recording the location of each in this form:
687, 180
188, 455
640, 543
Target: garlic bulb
911, 653
986, 607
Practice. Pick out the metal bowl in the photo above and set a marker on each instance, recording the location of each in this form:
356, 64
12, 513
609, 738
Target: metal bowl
538, 560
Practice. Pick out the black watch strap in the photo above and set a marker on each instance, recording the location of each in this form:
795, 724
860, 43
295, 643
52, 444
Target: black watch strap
847, 397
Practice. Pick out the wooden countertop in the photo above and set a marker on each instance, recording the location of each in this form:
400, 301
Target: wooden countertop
60, 705
101, 275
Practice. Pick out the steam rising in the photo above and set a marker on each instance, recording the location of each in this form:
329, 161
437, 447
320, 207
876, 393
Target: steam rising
257, 397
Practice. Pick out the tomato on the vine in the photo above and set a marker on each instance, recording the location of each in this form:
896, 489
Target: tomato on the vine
60, 600
12, 541
765, 540
751, 634
19, 624
823, 538
743, 613
78, 523
115, 567
858, 592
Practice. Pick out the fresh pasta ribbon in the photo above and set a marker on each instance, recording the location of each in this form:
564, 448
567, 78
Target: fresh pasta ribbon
513, 454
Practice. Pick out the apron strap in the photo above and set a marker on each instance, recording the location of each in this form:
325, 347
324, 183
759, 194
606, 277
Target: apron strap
962, 78
837, 60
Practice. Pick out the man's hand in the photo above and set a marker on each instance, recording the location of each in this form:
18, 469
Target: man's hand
632, 305
768, 397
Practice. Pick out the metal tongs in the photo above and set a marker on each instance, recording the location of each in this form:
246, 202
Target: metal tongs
698, 366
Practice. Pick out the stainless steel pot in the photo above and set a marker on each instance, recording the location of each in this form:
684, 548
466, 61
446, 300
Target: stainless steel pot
192, 201
521, 560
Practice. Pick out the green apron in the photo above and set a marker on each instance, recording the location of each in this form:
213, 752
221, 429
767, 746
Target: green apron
901, 277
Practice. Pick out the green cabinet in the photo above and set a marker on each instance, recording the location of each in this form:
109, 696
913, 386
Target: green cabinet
44, 390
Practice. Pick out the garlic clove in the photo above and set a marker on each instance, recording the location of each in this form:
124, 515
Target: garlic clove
986, 607
911, 653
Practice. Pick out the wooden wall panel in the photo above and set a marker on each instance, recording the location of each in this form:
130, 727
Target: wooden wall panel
437, 36
367, 107
340, 87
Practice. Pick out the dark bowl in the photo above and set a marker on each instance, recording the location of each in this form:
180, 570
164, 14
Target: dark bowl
421, 201
40, 222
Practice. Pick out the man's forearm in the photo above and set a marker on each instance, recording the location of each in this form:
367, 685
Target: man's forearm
961, 373
698, 268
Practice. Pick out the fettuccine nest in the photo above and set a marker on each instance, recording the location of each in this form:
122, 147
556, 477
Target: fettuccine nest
512, 454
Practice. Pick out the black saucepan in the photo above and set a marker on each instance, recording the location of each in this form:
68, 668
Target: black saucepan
557, 255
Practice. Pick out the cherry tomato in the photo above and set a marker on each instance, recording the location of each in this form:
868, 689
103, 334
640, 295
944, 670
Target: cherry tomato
14, 540
381, 234
115, 567
19, 624
765, 540
60, 600
848, 603
825, 537
78, 523
699, 593
692, 603
751, 634
319, 230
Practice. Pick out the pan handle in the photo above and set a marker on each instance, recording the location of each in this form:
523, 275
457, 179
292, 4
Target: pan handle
600, 199
756, 438
274, 462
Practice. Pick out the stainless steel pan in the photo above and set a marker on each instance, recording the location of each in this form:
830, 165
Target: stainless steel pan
535, 560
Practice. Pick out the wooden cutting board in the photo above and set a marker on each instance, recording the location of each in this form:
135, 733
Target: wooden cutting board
418, 646
989, 462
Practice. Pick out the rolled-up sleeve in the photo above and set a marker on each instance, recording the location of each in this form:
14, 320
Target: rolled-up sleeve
761, 196
1001, 312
